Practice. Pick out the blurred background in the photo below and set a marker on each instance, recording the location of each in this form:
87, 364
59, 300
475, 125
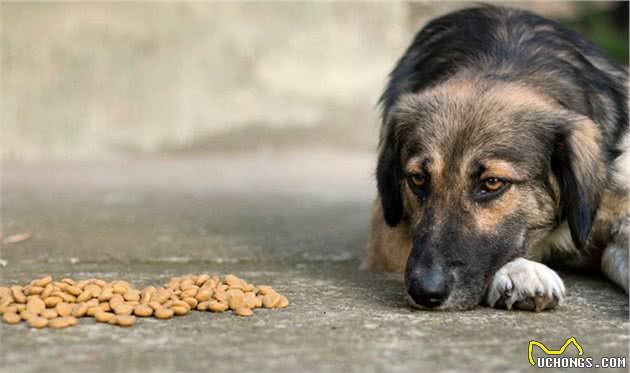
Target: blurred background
126, 80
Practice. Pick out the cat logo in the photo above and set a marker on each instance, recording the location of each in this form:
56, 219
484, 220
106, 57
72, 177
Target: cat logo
552, 352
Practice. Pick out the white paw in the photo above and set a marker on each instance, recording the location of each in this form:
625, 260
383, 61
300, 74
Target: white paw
525, 285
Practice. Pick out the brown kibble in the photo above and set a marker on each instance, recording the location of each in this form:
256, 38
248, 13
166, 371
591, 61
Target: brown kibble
91, 311
143, 310
37, 322
35, 290
123, 309
43, 282
125, 320
58, 304
191, 291
85, 296
73, 290
236, 302
116, 300
103, 316
284, 302
264, 289
161, 296
201, 279
145, 295
62, 322
36, 305
250, 300
204, 294
63, 309
185, 284
270, 300
11, 318
26, 314
216, 306
132, 295
18, 294
192, 302
48, 289
179, 310
203, 306
155, 305
163, 313
49, 313
119, 288
79, 310
244, 311
221, 295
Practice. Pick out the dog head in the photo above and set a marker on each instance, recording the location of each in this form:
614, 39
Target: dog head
475, 167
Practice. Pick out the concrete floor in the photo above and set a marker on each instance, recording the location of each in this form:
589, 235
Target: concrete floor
295, 221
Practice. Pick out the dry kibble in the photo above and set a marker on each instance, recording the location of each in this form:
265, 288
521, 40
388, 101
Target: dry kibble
203, 306
123, 309
244, 311
284, 302
216, 306
192, 302
132, 295
79, 310
203, 294
91, 311
58, 304
37, 322
11, 318
125, 320
163, 313
63, 309
42, 282
119, 289
36, 305
26, 314
18, 294
84, 296
103, 316
270, 300
116, 300
179, 310
73, 290
201, 279
143, 310
49, 313
59, 323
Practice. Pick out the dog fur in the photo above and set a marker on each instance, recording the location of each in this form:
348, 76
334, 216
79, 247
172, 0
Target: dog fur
495, 97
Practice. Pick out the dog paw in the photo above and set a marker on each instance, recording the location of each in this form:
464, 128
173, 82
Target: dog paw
525, 285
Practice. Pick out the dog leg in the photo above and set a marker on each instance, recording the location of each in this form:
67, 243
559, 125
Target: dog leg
525, 285
615, 257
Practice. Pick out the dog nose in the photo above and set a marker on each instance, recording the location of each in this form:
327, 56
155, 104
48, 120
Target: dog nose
429, 288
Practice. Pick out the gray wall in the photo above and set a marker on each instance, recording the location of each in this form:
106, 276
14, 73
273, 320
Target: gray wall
96, 81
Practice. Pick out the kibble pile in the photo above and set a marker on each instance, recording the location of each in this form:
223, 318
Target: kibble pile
59, 304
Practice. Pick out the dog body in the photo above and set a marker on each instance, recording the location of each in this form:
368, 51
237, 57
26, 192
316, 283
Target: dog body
504, 143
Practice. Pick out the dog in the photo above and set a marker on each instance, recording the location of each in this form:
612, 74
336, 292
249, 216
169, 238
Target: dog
504, 148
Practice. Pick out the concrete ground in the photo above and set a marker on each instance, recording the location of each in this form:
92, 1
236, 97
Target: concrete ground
296, 221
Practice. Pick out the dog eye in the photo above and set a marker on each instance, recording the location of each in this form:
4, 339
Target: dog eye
417, 181
492, 185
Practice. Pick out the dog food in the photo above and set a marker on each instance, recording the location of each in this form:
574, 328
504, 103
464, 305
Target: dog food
59, 304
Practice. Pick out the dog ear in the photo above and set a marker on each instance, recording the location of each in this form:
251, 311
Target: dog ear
388, 176
578, 162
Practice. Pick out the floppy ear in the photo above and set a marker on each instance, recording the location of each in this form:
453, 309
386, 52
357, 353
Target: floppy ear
578, 162
388, 175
